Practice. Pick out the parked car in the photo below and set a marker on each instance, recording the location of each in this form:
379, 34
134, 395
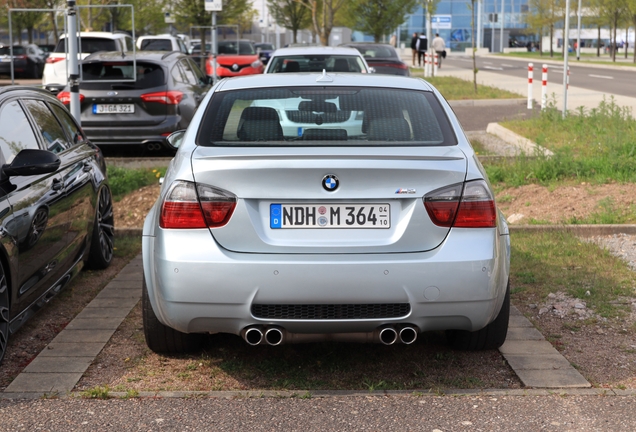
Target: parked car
117, 109
264, 51
56, 213
55, 77
235, 58
161, 43
28, 60
383, 58
320, 235
316, 59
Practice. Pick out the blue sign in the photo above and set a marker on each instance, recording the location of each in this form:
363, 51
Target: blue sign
441, 21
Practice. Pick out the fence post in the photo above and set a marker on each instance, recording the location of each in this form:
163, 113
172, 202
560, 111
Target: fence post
530, 73
544, 86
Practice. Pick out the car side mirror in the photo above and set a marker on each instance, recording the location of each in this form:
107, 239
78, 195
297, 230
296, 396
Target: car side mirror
32, 162
175, 138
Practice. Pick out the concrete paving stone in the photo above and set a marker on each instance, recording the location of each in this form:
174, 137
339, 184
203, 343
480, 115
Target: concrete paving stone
626, 392
569, 378
124, 284
43, 364
112, 312
124, 303
119, 293
80, 336
524, 333
527, 347
69, 349
514, 311
519, 321
134, 275
45, 383
95, 323
537, 362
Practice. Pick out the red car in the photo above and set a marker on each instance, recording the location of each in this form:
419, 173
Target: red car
235, 58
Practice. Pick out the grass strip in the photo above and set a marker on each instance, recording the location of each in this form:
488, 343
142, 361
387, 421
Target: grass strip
453, 88
125, 180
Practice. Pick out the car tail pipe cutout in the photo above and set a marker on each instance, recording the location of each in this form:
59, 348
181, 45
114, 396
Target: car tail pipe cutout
274, 336
154, 146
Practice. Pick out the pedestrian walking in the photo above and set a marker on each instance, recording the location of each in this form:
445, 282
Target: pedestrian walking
393, 40
422, 47
439, 46
414, 46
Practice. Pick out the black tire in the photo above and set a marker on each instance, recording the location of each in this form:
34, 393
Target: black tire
490, 337
4, 313
34, 71
103, 236
163, 339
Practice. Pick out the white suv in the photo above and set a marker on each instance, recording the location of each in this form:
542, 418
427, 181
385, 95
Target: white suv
164, 42
54, 77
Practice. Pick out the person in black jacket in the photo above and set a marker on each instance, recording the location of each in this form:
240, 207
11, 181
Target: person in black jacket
422, 46
414, 46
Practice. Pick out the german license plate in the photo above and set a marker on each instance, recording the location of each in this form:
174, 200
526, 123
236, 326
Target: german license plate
113, 109
366, 215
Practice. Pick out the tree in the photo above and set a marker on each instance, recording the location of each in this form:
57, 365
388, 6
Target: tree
290, 14
323, 15
379, 17
544, 14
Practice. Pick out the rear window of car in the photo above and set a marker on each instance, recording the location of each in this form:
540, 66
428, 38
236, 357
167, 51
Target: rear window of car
17, 50
316, 63
156, 45
376, 51
341, 116
148, 75
233, 47
90, 45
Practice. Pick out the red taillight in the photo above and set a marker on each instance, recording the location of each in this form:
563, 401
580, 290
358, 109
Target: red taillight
202, 207
171, 97
51, 60
393, 65
20, 57
65, 97
469, 206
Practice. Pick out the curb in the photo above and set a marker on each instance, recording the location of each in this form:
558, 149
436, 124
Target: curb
577, 230
527, 146
485, 102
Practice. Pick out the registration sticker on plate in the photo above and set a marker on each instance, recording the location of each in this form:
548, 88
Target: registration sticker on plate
370, 216
113, 109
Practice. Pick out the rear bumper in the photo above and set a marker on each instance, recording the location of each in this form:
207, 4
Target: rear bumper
131, 135
196, 286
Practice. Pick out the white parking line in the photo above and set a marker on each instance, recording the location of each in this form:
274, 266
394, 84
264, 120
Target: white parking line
493, 68
507, 65
601, 76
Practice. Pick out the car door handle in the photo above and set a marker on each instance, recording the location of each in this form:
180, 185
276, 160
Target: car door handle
57, 185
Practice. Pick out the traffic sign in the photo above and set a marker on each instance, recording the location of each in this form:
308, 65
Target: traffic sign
213, 5
441, 21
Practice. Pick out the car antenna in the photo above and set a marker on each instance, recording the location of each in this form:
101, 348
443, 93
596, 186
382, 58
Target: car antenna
324, 77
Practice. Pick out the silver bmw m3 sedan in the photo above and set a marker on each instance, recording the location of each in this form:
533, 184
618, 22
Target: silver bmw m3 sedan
371, 221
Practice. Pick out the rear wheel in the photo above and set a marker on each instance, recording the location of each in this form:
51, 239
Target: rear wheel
490, 337
4, 313
161, 338
103, 237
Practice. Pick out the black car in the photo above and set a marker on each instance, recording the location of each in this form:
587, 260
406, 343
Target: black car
381, 57
28, 60
56, 213
119, 108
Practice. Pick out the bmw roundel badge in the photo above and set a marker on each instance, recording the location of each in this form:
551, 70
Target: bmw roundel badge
330, 182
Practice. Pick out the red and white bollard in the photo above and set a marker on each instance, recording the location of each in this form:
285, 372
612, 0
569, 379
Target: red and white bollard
544, 86
427, 72
435, 64
530, 72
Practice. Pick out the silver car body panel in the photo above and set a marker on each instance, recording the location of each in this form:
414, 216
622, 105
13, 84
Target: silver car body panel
198, 281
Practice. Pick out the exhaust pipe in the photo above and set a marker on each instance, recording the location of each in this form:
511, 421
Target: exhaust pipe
274, 336
408, 335
388, 336
253, 336
153, 146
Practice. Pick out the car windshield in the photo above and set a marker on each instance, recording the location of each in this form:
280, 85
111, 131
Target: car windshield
90, 45
156, 45
148, 75
341, 116
230, 47
265, 46
316, 63
17, 50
